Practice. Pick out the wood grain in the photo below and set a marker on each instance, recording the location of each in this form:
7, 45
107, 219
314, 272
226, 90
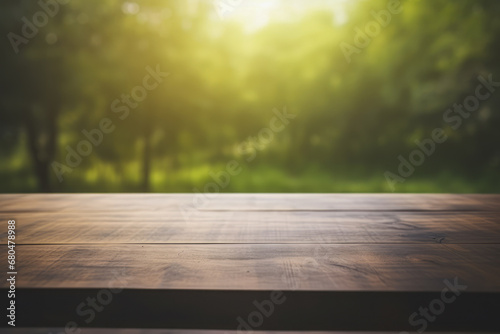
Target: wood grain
185, 203
256, 227
260, 266
202, 262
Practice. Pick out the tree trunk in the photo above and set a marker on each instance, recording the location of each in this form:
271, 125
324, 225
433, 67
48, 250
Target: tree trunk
42, 171
146, 162
42, 152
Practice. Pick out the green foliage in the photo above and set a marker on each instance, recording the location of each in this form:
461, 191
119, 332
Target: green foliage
354, 116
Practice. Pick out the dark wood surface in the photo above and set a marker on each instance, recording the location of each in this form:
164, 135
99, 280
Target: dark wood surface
251, 227
392, 251
327, 267
247, 202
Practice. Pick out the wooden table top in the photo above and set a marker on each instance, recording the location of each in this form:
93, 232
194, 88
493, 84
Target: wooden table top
369, 245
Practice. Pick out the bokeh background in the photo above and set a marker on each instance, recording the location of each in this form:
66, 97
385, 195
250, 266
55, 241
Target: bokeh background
234, 64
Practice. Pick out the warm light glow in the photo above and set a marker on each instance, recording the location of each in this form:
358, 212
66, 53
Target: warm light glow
258, 13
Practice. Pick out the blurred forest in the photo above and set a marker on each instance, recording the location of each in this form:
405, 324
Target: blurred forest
233, 65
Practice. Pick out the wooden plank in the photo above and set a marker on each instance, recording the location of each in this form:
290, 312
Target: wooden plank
344, 261
255, 227
259, 266
186, 203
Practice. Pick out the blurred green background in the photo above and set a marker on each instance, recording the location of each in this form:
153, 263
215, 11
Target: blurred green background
362, 83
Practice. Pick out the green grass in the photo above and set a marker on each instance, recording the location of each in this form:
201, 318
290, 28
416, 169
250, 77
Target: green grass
267, 179
252, 178
98, 176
